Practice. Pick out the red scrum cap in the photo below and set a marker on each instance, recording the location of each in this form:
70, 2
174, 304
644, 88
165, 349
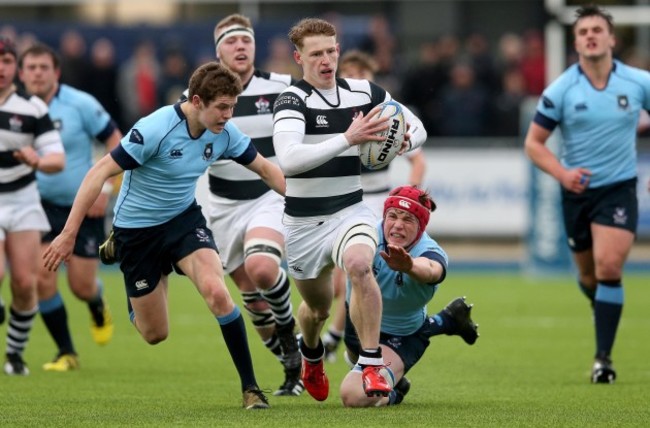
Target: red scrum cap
413, 200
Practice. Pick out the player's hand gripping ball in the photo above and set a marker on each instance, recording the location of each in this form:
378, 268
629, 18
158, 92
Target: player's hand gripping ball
378, 154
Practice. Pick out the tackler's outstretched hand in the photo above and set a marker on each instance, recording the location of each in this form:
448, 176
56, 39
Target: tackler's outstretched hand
397, 258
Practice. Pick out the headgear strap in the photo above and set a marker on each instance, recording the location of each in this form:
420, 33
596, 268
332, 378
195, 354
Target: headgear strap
233, 30
412, 200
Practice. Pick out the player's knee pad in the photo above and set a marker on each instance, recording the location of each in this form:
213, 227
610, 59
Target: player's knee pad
263, 247
259, 317
357, 234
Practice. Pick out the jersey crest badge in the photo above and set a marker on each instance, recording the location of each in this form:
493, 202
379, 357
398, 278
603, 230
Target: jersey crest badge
207, 152
623, 102
15, 123
263, 106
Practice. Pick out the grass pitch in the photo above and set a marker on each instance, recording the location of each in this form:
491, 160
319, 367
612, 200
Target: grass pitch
530, 367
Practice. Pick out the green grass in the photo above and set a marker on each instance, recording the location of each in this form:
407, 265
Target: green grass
530, 367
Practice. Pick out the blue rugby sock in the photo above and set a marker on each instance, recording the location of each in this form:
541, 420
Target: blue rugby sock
440, 323
234, 334
607, 311
55, 319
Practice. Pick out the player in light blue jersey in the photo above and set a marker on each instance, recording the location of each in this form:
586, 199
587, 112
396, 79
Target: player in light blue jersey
81, 120
158, 226
409, 268
596, 104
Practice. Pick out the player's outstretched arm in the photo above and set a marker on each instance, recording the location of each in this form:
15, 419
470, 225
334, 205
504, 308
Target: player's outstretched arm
98, 209
421, 269
269, 172
61, 248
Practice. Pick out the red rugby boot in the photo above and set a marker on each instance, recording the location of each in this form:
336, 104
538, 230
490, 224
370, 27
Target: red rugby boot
374, 382
315, 380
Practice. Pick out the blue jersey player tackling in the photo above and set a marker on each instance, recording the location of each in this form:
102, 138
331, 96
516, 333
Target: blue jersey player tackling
409, 267
158, 226
596, 104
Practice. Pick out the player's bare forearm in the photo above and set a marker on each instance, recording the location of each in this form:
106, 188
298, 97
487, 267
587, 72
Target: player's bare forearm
89, 190
270, 173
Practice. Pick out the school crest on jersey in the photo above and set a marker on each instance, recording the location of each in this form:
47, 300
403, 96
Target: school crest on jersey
207, 152
623, 102
15, 123
263, 106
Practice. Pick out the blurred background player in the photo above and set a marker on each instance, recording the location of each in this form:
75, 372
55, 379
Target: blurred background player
376, 183
28, 143
158, 226
81, 120
245, 215
596, 104
410, 266
317, 124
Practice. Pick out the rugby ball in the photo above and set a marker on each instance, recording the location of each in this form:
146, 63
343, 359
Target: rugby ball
378, 154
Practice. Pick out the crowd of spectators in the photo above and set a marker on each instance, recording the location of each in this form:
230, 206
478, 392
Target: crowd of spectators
459, 86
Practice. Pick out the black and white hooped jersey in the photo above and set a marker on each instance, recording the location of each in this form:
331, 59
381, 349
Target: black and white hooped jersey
24, 122
253, 115
319, 116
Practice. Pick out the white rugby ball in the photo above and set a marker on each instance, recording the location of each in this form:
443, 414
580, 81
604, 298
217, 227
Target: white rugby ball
378, 154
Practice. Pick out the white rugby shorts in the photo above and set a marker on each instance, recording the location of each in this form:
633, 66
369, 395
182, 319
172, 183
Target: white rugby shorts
311, 241
375, 202
230, 219
21, 210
